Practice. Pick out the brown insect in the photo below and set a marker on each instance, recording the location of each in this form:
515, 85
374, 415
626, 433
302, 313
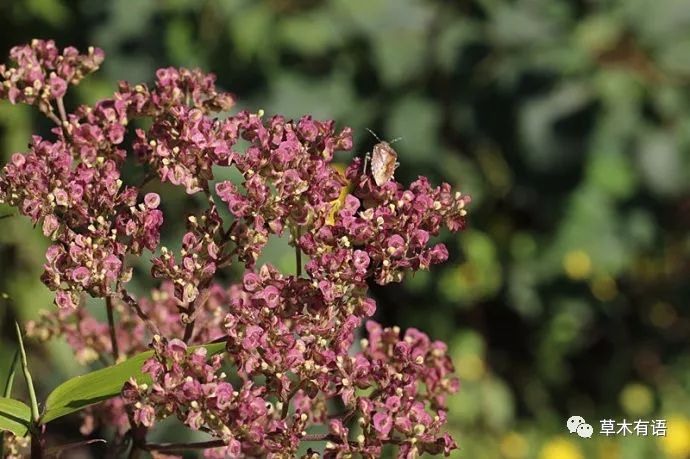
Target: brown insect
384, 160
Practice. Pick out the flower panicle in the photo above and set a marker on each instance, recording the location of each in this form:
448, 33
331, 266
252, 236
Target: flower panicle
290, 338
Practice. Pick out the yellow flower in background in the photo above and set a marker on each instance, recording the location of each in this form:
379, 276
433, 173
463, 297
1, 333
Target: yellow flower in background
514, 446
604, 288
676, 443
470, 367
560, 448
662, 315
338, 203
577, 264
637, 399
608, 449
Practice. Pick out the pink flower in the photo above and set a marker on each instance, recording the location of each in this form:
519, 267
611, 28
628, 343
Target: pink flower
64, 300
383, 424
50, 225
152, 200
81, 275
144, 416
58, 86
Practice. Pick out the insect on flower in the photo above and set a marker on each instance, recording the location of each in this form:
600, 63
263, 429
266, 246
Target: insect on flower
384, 160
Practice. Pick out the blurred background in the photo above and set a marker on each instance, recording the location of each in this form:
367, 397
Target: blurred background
567, 121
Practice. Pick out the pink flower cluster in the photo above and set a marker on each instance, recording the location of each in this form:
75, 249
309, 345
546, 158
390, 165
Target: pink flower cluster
294, 363
42, 73
287, 179
189, 386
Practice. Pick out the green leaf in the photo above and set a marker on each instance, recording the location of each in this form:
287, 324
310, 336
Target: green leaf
10, 377
311, 33
82, 391
416, 119
54, 12
15, 416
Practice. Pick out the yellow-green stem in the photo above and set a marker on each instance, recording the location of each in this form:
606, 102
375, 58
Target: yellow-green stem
27, 376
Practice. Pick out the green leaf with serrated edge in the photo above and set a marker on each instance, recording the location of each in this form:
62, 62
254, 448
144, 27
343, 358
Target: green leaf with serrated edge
82, 391
15, 416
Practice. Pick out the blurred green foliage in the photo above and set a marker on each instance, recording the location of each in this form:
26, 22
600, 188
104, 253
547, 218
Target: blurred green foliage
567, 121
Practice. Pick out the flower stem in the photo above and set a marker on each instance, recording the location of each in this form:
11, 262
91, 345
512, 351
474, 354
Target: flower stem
171, 447
298, 252
319, 437
111, 326
188, 331
298, 260
176, 447
194, 308
61, 110
54, 118
127, 298
58, 450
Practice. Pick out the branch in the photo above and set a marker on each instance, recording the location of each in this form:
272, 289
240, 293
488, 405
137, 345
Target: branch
321, 437
298, 251
178, 447
134, 304
61, 109
336, 439
286, 403
193, 309
298, 260
54, 118
57, 451
172, 447
111, 326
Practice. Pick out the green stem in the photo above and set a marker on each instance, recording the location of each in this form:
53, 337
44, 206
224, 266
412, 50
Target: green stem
27, 376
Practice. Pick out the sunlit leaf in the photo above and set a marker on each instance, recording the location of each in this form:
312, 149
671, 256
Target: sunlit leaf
15, 416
